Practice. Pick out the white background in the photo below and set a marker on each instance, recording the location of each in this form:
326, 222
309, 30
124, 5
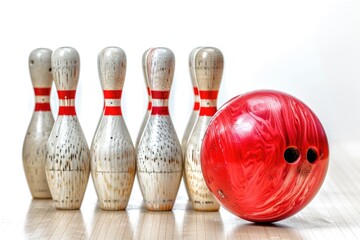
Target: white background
310, 49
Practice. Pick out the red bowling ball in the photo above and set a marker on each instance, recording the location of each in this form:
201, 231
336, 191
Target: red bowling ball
264, 156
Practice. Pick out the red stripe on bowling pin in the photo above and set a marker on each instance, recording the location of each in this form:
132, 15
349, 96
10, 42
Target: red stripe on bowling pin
160, 110
196, 103
196, 106
67, 111
112, 110
112, 94
66, 95
210, 95
149, 104
207, 111
42, 107
160, 94
42, 91
196, 91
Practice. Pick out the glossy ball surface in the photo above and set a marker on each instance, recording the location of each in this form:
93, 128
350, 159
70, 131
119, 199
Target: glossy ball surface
264, 156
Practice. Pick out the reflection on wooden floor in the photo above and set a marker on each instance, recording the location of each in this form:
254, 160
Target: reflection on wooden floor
333, 214
44, 221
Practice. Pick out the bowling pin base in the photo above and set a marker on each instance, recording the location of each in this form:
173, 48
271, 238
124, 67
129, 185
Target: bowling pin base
34, 153
159, 189
113, 189
41, 194
36, 179
67, 188
200, 196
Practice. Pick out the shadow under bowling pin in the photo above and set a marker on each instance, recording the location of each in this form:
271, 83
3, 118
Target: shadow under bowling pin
42, 121
159, 157
68, 156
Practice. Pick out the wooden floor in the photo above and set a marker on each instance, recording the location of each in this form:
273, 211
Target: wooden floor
333, 214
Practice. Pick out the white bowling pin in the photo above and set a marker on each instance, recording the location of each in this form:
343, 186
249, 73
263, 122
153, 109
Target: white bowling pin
159, 157
148, 112
68, 156
208, 70
42, 121
195, 112
113, 160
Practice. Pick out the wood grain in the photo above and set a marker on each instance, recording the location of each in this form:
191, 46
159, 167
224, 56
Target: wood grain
333, 214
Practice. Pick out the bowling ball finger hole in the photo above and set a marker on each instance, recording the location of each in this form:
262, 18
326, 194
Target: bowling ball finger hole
291, 154
312, 155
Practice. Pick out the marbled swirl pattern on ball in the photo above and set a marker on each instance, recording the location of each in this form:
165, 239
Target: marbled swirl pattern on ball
246, 166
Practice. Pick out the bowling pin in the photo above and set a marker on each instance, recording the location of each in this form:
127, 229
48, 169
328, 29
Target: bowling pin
113, 160
148, 112
208, 71
159, 157
42, 121
195, 112
68, 157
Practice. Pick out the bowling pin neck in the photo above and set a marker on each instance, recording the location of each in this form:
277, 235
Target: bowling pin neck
192, 69
160, 66
146, 77
112, 103
41, 77
149, 99
40, 68
145, 72
66, 102
193, 78
112, 68
112, 71
160, 102
209, 65
196, 99
208, 103
42, 99
65, 64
